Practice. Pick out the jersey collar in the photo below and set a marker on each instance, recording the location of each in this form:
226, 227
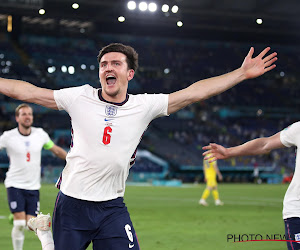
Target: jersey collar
114, 103
24, 134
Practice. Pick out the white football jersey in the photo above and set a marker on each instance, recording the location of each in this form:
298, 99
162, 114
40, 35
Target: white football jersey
291, 203
24, 154
105, 136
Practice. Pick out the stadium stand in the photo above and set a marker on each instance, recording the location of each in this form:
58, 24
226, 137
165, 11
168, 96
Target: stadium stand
257, 108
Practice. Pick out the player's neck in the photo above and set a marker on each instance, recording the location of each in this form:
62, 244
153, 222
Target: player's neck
24, 131
113, 99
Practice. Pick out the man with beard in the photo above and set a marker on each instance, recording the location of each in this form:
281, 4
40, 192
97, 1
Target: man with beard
23, 146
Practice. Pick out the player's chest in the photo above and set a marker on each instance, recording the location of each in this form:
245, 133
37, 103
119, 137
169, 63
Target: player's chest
120, 118
111, 124
24, 144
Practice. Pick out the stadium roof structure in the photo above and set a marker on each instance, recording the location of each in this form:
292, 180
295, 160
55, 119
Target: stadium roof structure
234, 20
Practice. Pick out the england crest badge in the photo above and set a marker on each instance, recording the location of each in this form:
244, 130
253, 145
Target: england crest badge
297, 238
13, 204
110, 110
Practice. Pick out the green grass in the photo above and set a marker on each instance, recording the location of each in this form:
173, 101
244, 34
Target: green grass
170, 218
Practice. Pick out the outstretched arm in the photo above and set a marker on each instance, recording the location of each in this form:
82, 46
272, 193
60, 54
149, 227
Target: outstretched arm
201, 90
59, 152
27, 92
253, 147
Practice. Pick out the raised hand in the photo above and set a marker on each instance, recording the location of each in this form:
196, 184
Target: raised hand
215, 152
257, 66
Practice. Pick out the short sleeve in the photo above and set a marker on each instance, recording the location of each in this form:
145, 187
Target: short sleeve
290, 136
46, 138
158, 104
3, 140
64, 98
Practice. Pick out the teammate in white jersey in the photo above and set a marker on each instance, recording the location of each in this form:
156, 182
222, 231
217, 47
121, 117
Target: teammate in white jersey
291, 204
23, 146
107, 126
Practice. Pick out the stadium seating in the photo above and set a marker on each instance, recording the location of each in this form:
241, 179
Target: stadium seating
257, 108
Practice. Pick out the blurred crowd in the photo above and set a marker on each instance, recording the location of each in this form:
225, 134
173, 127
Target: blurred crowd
255, 108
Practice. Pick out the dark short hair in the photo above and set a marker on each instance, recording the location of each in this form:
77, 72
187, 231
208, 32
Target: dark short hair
23, 105
128, 51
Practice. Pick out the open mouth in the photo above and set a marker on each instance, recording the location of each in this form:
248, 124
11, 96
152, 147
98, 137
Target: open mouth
111, 80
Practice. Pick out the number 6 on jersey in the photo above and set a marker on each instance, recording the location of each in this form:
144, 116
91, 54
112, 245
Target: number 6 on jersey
106, 135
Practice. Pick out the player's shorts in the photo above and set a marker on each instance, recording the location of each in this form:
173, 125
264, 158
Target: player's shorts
292, 232
22, 200
107, 224
211, 181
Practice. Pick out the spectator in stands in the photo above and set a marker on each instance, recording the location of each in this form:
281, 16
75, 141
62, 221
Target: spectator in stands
287, 178
107, 125
211, 171
23, 146
291, 204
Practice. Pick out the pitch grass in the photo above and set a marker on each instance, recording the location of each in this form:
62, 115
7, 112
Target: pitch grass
170, 218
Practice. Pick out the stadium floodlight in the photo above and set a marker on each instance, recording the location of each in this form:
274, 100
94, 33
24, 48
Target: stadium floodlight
64, 69
121, 19
71, 70
259, 21
51, 69
166, 71
92, 67
165, 8
143, 6
75, 6
131, 5
152, 7
42, 11
175, 9
259, 112
179, 24
282, 74
83, 66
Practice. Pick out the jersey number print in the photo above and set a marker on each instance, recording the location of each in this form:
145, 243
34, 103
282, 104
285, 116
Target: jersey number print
28, 156
106, 136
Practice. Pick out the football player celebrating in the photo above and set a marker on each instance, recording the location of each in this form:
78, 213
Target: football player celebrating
107, 125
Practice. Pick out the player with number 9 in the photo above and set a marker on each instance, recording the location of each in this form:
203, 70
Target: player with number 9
24, 145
